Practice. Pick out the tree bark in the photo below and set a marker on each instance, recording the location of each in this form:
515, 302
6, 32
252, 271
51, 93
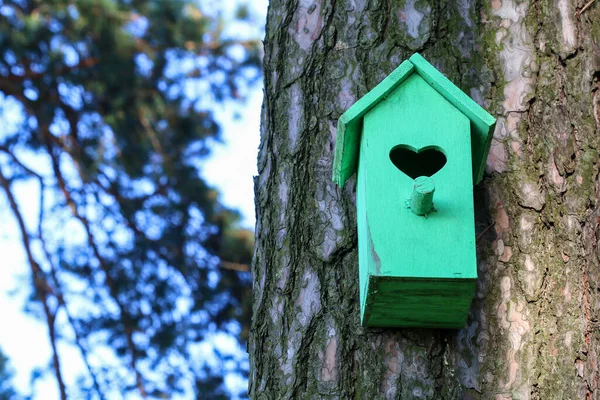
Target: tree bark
532, 331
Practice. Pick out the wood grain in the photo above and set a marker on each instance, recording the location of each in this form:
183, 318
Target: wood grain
394, 243
421, 199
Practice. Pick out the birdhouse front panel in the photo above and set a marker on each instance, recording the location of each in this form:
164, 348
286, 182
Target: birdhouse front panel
415, 270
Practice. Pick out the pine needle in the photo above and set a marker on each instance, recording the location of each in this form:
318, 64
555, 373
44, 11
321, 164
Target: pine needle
588, 5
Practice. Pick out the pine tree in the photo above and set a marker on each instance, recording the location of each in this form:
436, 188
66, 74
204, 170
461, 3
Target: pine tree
132, 253
533, 330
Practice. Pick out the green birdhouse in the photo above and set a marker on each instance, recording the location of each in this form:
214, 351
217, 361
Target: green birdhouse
418, 145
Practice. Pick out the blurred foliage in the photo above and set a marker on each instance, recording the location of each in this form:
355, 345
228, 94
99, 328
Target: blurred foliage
133, 259
6, 390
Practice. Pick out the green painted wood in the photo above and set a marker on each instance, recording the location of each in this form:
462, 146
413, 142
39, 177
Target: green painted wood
394, 243
421, 199
350, 126
413, 302
365, 244
482, 123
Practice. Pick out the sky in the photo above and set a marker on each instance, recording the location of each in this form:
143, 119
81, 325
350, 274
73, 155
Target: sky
233, 163
231, 167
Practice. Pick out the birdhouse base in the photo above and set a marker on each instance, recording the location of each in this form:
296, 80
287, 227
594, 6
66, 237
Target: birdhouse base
417, 302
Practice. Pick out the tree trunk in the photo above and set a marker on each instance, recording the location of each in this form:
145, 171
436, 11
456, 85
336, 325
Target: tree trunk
532, 331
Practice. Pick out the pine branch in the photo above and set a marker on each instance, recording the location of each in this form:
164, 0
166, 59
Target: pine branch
28, 170
85, 63
92, 243
140, 45
40, 283
235, 266
54, 273
79, 340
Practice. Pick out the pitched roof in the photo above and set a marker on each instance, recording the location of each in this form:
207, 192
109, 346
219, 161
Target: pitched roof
349, 127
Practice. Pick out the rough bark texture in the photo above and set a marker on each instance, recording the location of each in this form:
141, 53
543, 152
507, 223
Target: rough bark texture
533, 331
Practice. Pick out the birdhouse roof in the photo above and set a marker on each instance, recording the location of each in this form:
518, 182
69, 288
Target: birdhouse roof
349, 126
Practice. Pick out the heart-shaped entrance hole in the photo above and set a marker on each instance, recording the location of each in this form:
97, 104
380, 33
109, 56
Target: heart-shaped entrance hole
424, 162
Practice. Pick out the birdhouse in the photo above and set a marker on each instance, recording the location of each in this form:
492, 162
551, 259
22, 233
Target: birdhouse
418, 145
